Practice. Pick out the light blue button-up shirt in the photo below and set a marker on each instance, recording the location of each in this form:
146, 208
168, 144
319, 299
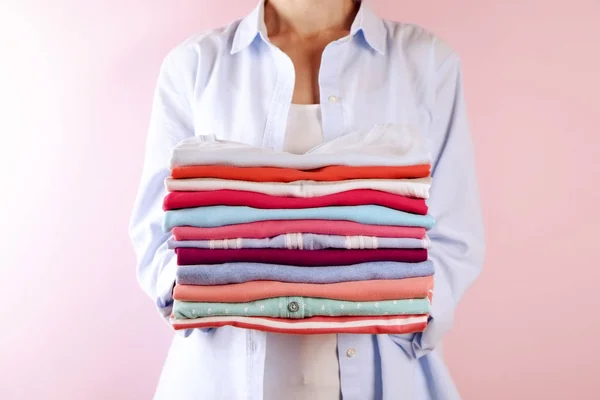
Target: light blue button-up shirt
234, 84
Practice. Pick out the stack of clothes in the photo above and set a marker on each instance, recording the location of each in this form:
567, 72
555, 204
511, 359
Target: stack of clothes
331, 241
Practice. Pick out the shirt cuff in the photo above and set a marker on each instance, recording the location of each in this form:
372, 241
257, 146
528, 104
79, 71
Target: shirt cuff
164, 303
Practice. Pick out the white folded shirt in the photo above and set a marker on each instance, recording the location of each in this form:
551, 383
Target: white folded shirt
383, 145
418, 188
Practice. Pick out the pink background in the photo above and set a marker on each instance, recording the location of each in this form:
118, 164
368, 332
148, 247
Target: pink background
76, 80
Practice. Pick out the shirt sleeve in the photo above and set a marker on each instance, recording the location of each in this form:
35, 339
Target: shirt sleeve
171, 122
457, 239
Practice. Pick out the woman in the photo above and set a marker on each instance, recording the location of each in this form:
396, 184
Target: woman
292, 74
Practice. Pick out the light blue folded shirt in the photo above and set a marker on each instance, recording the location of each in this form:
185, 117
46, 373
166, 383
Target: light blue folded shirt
214, 216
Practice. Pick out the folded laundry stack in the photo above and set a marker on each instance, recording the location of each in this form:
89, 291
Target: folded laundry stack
331, 241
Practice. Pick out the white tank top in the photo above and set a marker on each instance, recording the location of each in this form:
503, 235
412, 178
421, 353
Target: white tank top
304, 130
302, 367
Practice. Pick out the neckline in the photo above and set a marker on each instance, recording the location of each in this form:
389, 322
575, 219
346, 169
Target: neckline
305, 106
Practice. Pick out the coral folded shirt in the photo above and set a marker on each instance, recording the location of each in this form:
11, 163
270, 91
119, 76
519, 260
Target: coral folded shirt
374, 290
329, 257
266, 229
275, 174
177, 200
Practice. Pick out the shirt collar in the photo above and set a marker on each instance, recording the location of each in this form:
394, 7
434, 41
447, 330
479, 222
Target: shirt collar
366, 21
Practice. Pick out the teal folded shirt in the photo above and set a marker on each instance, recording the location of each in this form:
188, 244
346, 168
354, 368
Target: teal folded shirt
301, 307
214, 216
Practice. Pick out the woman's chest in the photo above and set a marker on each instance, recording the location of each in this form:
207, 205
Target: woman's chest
305, 55
248, 101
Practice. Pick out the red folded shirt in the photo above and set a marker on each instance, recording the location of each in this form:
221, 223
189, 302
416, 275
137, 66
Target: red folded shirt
176, 200
314, 325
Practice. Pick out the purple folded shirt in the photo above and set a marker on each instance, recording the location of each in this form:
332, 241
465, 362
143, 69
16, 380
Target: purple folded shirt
305, 258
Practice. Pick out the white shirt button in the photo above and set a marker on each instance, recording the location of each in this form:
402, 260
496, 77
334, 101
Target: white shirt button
351, 352
334, 99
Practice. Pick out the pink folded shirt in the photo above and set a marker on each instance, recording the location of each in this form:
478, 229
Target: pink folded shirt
266, 229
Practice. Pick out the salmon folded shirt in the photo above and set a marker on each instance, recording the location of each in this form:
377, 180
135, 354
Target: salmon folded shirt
333, 257
374, 290
275, 174
213, 216
267, 229
176, 200
397, 324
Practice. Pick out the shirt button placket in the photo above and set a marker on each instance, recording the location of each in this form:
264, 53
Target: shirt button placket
329, 84
282, 96
357, 371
